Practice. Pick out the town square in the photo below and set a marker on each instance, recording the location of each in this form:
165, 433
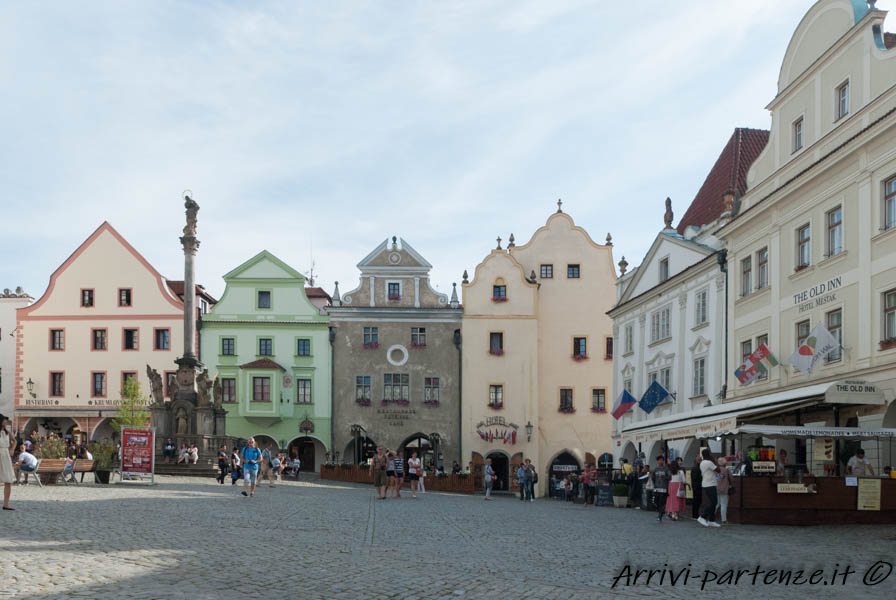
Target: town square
535, 300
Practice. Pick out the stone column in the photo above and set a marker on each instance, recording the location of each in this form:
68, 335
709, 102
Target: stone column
186, 373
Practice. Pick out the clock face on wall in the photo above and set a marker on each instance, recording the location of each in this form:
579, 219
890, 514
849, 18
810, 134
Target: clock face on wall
395, 258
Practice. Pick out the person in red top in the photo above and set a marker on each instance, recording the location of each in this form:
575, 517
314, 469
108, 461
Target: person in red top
588, 482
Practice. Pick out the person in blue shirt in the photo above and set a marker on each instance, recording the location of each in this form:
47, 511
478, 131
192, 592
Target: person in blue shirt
251, 456
520, 478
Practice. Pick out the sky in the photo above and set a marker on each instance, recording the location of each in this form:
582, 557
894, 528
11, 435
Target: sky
315, 130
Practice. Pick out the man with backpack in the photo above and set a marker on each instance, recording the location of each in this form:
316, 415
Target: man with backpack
251, 458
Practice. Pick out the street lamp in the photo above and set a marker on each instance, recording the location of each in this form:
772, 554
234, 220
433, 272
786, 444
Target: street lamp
30, 385
529, 428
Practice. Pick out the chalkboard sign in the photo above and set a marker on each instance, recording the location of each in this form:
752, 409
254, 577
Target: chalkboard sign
604, 495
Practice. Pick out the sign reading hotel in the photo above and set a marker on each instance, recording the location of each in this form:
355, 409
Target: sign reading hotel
818, 295
496, 429
137, 456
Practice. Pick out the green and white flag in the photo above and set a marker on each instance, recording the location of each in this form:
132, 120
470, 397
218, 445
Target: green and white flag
819, 344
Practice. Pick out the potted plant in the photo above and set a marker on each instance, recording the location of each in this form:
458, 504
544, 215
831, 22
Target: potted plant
50, 449
620, 495
104, 454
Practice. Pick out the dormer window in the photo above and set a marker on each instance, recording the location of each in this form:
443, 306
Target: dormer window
843, 99
664, 270
499, 293
264, 299
797, 135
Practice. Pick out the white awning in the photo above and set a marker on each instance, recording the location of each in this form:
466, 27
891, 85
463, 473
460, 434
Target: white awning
796, 432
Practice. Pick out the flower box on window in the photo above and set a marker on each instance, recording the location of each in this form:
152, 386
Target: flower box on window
597, 410
431, 403
579, 357
496, 352
394, 297
418, 344
887, 344
499, 298
363, 401
371, 345
800, 268
397, 402
567, 410
496, 405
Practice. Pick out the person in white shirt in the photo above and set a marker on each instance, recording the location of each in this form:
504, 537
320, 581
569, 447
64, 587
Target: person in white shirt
415, 466
708, 471
27, 463
857, 465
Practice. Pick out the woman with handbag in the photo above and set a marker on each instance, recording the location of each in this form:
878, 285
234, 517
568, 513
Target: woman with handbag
725, 488
675, 501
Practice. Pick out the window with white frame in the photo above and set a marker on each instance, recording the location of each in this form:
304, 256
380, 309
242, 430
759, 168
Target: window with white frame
797, 135
664, 270
802, 332
627, 385
303, 391
803, 246
889, 204
598, 399
431, 390
660, 327
842, 99
666, 378
889, 315
700, 307
835, 231
762, 269
699, 376
746, 276
362, 388
396, 387
628, 335
834, 322
746, 349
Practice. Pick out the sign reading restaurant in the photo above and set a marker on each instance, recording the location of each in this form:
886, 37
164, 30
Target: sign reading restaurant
818, 295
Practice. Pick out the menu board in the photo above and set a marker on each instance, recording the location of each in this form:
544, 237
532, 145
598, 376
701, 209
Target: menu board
137, 451
604, 495
763, 466
824, 449
869, 494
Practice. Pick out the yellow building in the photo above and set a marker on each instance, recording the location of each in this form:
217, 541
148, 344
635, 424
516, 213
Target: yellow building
538, 349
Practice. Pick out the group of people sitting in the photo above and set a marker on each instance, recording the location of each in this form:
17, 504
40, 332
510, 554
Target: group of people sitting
187, 455
25, 462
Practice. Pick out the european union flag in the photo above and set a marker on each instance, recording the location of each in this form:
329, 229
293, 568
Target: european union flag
655, 395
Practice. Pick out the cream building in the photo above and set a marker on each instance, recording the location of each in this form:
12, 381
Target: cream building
815, 239
10, 301
537, 358
106, 315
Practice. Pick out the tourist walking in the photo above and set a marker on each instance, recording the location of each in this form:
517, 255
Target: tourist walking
236, 470
529, 477
724, 487
399, 474
267, 465
708, 476
251, 456
390, 472
414, 470
223, 461
696, 488
7, 447
677, 487
660, 478
420, 487
489, 477
588, 485
378, 464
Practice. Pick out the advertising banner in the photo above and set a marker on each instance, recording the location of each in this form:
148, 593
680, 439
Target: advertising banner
137, 455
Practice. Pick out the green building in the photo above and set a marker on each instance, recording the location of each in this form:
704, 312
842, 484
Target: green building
270, 347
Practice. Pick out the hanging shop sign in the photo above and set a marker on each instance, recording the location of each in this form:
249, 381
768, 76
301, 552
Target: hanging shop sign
763, 466
497, 430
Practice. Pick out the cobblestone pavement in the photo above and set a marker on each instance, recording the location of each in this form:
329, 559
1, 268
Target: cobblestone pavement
190, 538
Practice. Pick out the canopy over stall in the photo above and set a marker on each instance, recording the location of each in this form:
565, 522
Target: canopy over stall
802, 433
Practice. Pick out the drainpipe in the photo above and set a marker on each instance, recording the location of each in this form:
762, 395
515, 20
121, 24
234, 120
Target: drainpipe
722, 257
332, 389
460, 397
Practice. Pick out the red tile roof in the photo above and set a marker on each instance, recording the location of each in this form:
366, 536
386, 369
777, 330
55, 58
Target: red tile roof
262, 363
316, 292
178, 288
890, 40
729, 173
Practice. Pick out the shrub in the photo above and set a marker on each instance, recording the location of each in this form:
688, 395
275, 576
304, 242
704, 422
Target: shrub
104, 454
620, 489
463, 474
50, 448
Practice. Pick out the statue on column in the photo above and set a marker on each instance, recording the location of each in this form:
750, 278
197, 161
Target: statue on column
182, 422
216, 388
155, 383
203, 387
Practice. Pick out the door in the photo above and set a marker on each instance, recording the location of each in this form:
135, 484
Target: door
304, 449
500, 465
477, 469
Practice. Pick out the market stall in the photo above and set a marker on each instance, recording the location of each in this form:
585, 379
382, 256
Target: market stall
814, 491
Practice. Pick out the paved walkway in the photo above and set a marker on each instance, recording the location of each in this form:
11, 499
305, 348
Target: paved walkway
189, 538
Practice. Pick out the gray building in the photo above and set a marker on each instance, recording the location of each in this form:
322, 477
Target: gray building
396, 360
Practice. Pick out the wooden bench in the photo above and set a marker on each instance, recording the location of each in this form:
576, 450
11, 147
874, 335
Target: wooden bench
47, 466
82, 465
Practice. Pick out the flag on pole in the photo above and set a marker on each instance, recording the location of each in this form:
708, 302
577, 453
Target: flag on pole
624, 403
818, 345
756, 365
655, 395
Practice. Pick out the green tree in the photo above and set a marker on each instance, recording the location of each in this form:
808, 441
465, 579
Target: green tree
133, 411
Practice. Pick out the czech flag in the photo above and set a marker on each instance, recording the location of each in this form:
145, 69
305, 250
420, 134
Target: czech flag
624, 403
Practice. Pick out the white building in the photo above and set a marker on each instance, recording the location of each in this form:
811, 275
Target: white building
669, 320
9, 302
